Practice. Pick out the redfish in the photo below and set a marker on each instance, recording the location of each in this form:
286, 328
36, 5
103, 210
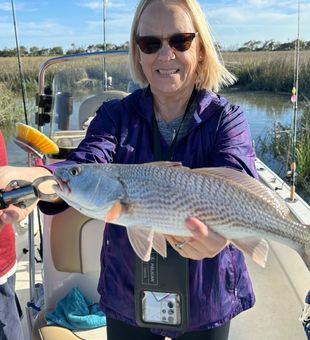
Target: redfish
155, 199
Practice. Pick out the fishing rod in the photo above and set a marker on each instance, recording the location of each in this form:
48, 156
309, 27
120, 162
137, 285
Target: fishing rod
294, 100
20, 68
105, 76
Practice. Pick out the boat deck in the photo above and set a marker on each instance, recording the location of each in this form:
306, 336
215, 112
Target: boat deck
280, 289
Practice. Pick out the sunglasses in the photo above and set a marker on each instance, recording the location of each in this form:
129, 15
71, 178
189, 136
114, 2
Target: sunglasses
180, 42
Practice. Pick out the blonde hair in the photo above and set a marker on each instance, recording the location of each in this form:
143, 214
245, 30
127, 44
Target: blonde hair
211, 73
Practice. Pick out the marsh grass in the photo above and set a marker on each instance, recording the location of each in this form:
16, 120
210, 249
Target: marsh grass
10, 109
9, 72
269, 71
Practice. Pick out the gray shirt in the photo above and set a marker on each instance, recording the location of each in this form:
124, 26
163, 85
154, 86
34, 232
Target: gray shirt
169, 129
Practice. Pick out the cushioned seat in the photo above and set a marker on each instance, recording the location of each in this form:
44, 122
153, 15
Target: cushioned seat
72, 244
42, 331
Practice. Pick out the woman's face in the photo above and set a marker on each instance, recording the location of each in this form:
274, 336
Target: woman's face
168, 71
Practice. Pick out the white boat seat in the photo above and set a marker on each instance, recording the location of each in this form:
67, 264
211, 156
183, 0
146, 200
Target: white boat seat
71, 259
89, 107
42, 331
69, 241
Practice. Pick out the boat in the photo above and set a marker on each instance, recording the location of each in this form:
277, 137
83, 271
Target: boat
71, 88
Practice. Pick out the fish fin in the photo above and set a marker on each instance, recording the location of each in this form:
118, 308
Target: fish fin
166, 164
248, 183
114, 213
257, 249
141, 240
159, 244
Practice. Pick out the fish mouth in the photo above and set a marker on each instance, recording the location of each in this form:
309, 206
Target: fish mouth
62, 186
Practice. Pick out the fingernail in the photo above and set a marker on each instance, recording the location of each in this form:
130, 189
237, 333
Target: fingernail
191, 226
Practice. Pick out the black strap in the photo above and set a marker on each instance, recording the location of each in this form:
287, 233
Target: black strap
157, 150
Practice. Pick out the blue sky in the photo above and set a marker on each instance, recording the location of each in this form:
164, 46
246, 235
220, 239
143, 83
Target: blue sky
49, 23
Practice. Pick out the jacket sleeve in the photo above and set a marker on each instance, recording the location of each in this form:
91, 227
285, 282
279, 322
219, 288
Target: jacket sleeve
232, 144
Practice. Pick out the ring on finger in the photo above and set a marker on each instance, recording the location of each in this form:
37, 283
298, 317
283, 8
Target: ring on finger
180, 245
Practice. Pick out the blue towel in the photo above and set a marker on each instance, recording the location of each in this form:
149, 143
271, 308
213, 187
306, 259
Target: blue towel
76, 312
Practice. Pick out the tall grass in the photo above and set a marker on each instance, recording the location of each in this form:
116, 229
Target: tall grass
10, 109
269, 71
9, 73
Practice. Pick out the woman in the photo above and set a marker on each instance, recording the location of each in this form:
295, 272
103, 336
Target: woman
177, 116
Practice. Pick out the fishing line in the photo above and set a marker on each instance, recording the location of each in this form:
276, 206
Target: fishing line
294, 100
20, 68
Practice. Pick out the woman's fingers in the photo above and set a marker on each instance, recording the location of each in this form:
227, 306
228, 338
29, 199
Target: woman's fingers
204, 242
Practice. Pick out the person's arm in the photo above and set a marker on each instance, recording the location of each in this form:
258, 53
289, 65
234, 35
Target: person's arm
232, 142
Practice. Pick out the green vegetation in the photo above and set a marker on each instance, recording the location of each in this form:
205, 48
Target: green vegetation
259, 70
269, 71
10, 110
273, 150
9, 74
35, 51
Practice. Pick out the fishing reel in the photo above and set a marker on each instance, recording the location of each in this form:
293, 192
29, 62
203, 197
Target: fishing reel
23, 193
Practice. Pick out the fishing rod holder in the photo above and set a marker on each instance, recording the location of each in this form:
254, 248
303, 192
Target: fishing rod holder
44, 103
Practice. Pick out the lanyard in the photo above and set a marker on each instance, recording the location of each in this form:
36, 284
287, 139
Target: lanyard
157, 150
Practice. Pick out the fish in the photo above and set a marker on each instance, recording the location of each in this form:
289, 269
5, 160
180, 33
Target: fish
154, 199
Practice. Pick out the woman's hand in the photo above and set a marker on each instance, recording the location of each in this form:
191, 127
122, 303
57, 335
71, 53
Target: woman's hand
204, 242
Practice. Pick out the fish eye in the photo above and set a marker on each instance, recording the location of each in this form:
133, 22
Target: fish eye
75, 171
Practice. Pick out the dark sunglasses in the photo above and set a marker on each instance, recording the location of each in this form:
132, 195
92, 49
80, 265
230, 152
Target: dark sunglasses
180, 42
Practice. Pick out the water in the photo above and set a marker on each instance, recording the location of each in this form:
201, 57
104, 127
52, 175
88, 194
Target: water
263, 110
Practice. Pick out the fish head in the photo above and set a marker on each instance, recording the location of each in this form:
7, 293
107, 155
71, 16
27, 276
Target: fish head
92, 189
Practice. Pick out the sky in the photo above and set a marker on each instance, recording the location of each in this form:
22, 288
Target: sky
50, 23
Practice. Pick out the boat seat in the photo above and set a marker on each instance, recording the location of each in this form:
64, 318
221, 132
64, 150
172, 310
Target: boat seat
71, 259
45, 332
89, 107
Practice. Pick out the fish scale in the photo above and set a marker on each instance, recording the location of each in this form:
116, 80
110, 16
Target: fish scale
160, 196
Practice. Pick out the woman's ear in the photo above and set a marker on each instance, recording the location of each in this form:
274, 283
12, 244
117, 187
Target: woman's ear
201, 54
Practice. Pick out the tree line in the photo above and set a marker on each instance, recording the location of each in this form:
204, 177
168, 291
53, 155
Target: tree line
35, 51
271, 45
249, 46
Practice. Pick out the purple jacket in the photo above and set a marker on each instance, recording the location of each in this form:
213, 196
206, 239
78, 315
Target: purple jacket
218, 135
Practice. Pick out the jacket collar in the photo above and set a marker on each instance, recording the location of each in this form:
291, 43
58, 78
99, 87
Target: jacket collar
207, 103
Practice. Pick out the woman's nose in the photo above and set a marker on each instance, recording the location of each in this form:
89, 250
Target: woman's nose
166, 52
